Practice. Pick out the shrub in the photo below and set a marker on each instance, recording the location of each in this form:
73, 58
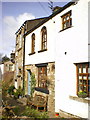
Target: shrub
34, 113
33, 83
16, 110
11, 90
18, 92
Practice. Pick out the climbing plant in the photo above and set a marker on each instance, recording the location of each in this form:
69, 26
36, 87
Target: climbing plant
33, 83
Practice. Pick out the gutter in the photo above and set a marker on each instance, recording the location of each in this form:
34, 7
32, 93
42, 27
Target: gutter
50, 17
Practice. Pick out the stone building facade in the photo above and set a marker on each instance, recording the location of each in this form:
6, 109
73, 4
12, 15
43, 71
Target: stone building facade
49, 90
20, 51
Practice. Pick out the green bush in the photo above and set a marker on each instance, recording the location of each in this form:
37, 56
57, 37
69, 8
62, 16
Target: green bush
33, 83
18, 92
34, 113
11, 90
16, 110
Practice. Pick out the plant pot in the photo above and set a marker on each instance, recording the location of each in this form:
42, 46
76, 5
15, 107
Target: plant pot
82, 96
56, 114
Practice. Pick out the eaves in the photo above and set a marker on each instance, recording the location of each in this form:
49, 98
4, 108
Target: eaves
50, 17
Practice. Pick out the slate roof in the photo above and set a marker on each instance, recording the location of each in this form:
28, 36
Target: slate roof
35, 23
50, 17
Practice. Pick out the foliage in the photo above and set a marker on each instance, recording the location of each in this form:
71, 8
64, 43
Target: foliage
5, 58
34, 113
7, 82
16, 110
11, 90
82, 94
5, 86
33, 83
18, 92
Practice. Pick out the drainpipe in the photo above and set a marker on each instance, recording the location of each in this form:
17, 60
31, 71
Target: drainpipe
24, 62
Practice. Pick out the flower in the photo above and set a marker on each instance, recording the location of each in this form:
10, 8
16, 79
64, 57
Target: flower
82, 94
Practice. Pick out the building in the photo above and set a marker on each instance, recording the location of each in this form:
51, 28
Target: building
1, 70
7, 68
20, 51
57, 53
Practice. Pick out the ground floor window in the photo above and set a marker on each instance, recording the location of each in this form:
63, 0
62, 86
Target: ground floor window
42, 76
83, 77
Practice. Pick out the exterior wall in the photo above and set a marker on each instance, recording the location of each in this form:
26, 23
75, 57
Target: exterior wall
18, 74
8, 72
51, 85
88, 31
73, 41
42, 57
64, 48
9, 66
1, 71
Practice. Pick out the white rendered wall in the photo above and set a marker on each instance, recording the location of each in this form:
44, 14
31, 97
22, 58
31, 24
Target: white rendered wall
42, 57
1, 71
73, 41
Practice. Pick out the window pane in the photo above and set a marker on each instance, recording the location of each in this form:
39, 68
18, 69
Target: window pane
67, 23
85, 82
80, 88
88, 82
84, 88
64, 25
64, 19
79, 70
89, 88
67, 17
80, 82
80, 77
84, 77
88, 70
84, 70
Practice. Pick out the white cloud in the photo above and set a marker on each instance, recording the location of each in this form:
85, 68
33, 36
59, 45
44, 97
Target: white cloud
10, 26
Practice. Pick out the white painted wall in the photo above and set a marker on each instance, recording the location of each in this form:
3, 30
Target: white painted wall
1, 71
74, 41
42, 57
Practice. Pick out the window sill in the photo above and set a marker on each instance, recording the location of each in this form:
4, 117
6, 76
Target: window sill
65, 28
42, 50
83, 100
31, 53
43, 90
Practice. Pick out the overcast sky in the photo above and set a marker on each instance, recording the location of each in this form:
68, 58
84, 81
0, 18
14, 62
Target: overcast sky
13, 16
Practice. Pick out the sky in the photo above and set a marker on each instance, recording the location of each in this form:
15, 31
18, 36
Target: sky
13, 14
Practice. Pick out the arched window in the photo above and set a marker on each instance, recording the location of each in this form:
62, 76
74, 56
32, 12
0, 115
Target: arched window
33, 43
43, 38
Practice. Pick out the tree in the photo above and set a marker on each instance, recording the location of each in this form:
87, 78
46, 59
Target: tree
5, 58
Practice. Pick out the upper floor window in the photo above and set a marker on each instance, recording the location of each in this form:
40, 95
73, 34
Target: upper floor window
83, 78
43, 38
66, 20
33, 43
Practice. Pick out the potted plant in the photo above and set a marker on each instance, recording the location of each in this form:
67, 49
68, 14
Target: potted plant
82, 94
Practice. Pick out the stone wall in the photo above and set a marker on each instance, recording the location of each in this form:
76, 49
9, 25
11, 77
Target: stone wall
51, 84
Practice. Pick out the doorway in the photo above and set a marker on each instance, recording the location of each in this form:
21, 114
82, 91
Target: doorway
29, 82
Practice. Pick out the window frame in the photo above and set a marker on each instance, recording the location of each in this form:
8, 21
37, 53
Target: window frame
44, 38
69, 21
42, 83
82, 77
33, 43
